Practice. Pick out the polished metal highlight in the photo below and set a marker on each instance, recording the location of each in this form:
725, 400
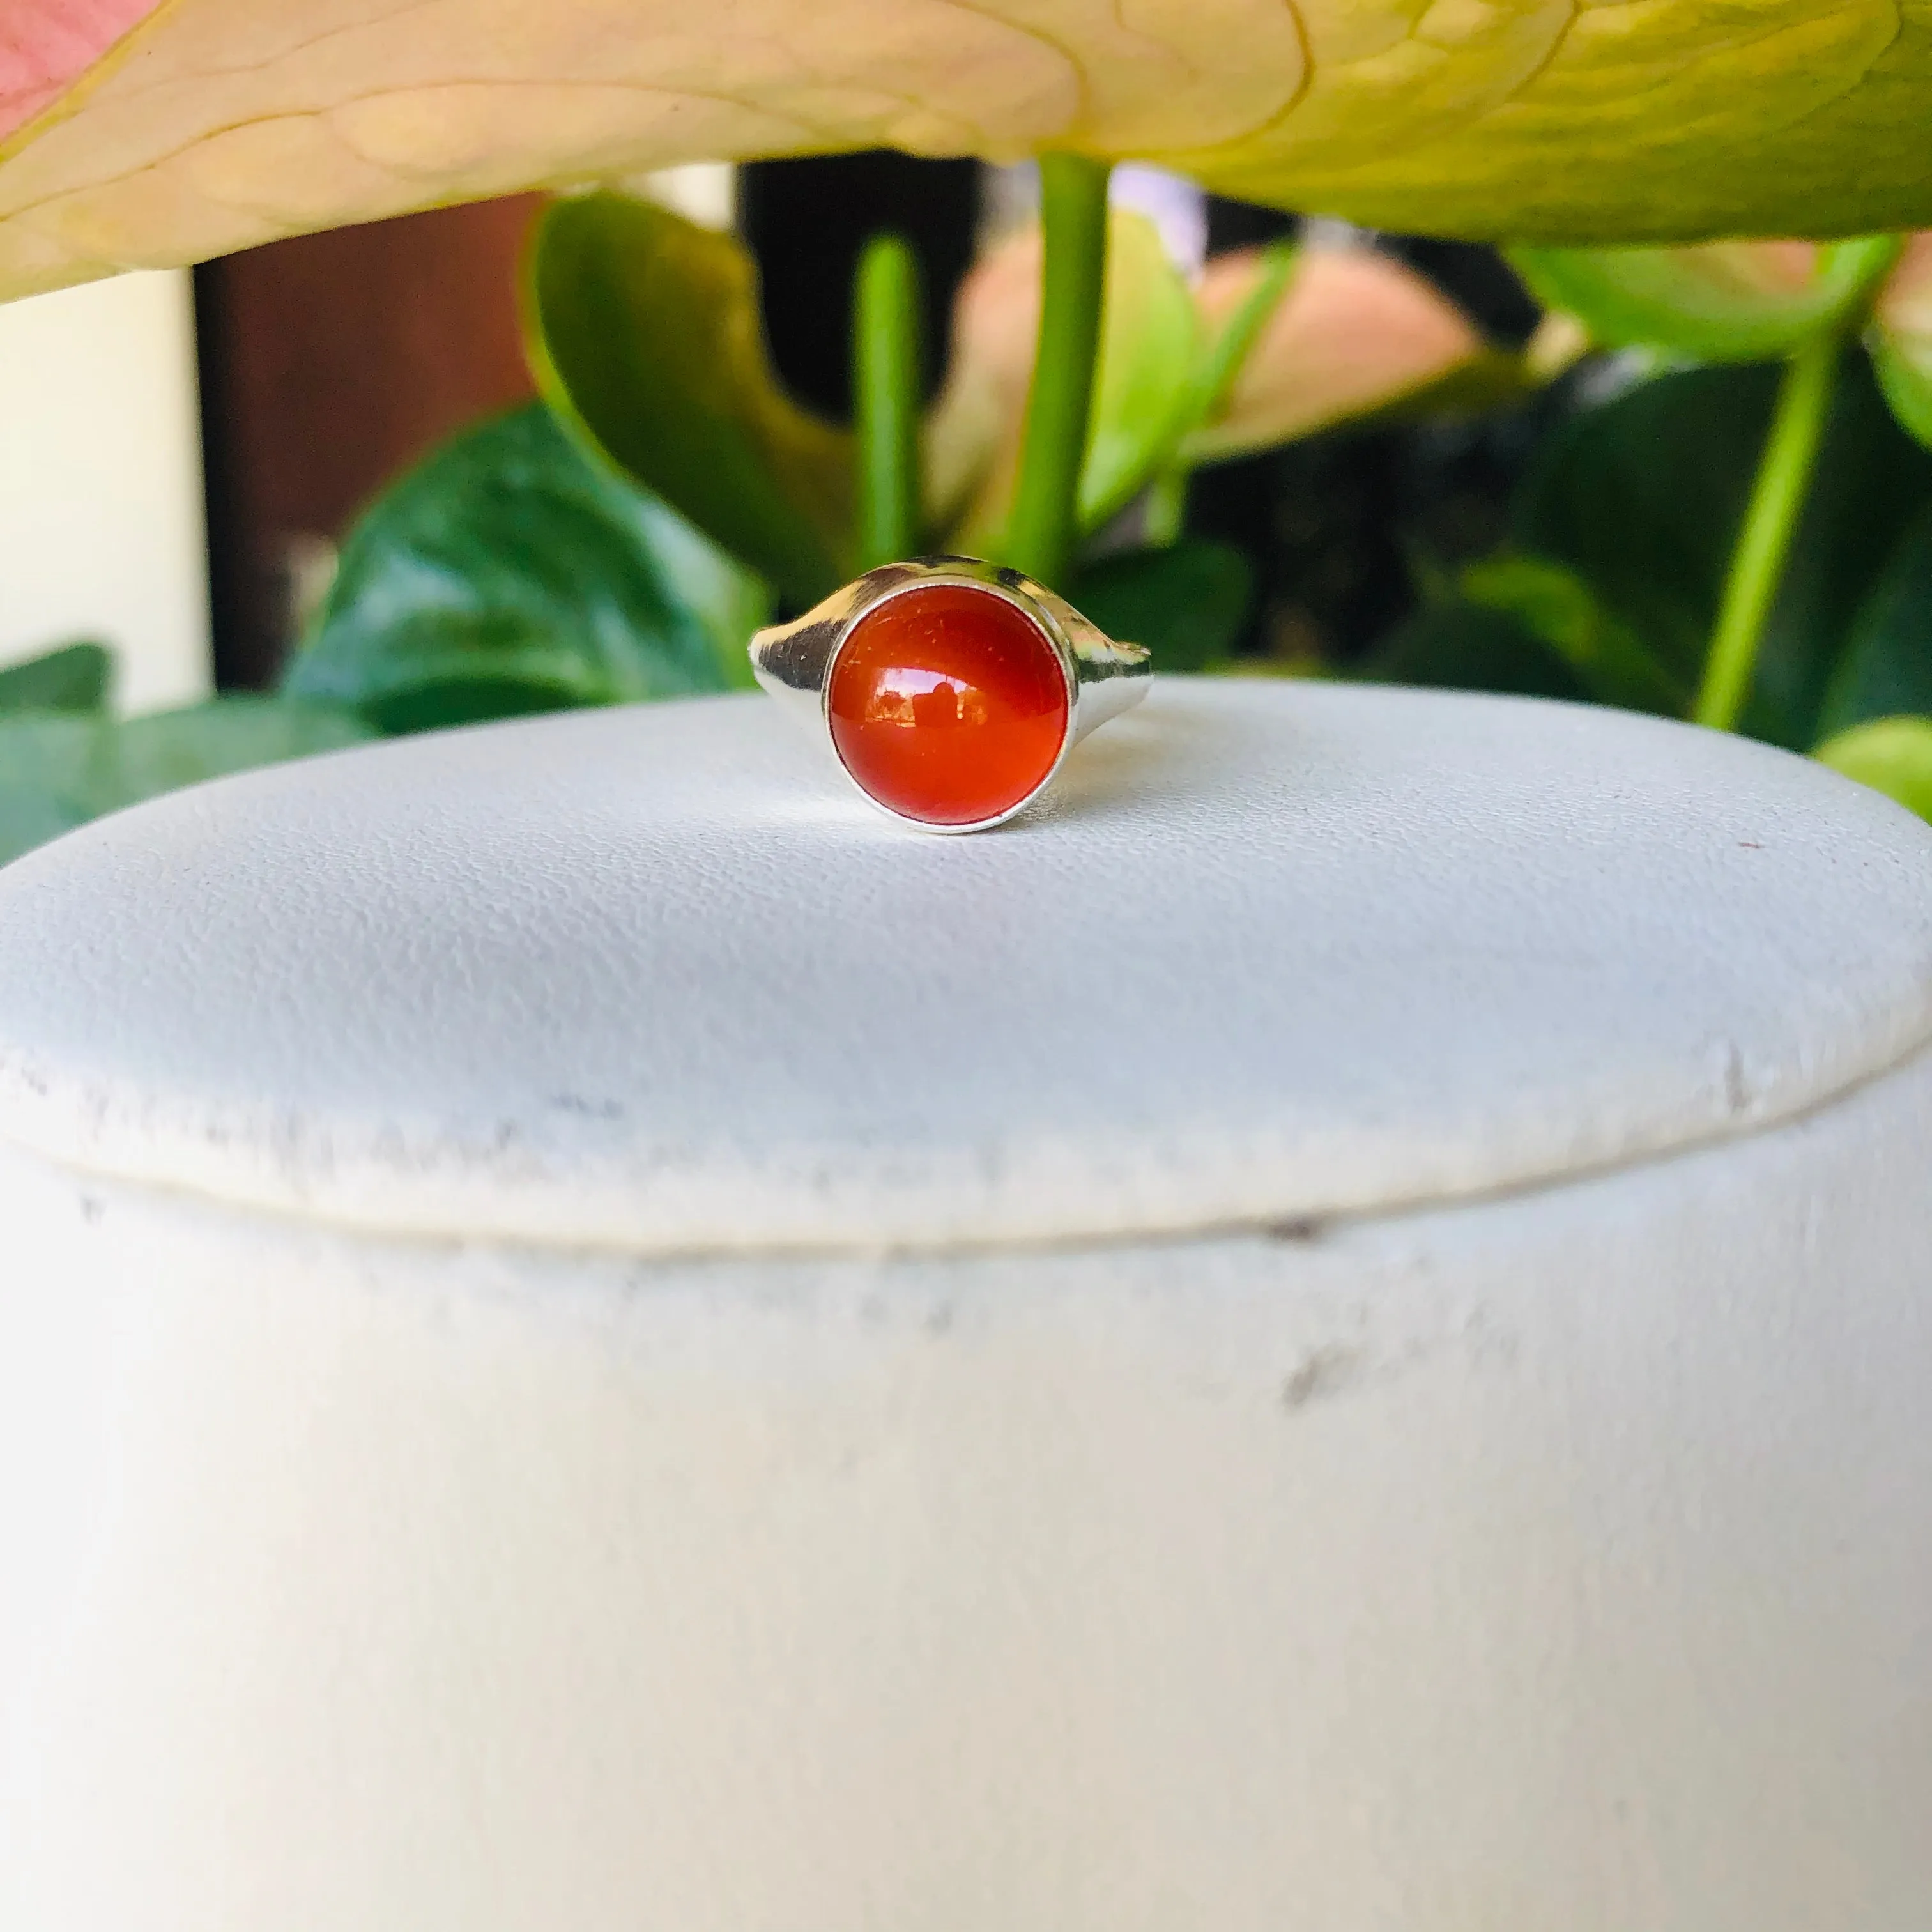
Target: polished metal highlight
794, 662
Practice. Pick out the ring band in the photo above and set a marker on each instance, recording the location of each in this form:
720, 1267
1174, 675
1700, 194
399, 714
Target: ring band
951, 690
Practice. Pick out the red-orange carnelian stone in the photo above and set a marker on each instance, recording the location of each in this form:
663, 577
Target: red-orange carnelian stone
948, 704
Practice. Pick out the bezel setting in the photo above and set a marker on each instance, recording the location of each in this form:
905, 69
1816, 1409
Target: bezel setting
794, 662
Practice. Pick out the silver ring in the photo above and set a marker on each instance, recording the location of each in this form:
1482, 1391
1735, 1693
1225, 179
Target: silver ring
950, 691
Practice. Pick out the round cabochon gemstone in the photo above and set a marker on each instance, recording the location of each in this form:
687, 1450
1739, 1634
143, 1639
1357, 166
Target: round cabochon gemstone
948, 704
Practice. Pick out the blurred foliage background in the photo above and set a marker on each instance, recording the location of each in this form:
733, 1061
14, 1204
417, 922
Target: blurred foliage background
513, 457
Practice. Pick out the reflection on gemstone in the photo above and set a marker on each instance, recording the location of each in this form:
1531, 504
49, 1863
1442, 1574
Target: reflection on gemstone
948, 704
911, 695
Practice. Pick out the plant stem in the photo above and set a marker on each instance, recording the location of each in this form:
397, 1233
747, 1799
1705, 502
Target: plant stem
1043, 527
887, 382
1165, 506
1222, 363
1164, 511
1771, 521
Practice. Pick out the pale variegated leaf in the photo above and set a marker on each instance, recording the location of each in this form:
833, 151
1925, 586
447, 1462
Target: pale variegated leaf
168, 134
1356, 333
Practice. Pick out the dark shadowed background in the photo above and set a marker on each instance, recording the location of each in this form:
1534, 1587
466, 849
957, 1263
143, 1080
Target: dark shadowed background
330, 362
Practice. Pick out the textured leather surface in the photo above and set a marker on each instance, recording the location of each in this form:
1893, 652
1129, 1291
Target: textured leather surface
652, 978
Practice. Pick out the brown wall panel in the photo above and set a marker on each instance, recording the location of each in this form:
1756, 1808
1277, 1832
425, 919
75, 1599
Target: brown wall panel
328, 363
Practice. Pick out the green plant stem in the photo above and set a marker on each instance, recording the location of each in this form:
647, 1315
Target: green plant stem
1043, 527
1222, 364
886, 382
1771, 521
1165, 510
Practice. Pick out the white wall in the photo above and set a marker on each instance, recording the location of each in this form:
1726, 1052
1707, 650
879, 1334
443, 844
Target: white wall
101, 529
705, 192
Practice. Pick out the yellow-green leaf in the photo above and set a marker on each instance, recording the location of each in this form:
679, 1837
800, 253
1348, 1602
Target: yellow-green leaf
1893, 755
172, 131
1150, 339
646, 336
1724, 301
1901, 339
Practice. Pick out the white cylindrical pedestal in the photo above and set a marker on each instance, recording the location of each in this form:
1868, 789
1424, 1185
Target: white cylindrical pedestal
1330, 1334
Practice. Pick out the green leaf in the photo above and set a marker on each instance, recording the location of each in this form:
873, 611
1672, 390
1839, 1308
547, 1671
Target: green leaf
510, 573
1720, 301
645, 335
1185, 601
1893, 755
1886, 666
1554, 604
143, 757
59, 770
1461, 646
1642, 497
75, 677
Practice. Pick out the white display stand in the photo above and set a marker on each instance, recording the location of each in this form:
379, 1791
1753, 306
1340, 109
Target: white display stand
1330, 1334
